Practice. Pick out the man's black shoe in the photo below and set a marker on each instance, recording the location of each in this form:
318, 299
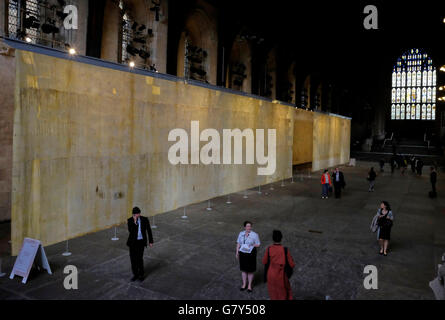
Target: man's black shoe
141, 278
134, 278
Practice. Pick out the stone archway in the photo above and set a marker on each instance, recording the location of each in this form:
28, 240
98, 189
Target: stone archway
289, 86
198, 47
270, 75
239, 68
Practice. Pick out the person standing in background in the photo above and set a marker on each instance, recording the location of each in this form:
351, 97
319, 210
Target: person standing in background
382, 164
413, 164
419, 167
338, 181
433, 180
371, 178
325, 184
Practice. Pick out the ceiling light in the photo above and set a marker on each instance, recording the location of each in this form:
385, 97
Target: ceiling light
131, 64
72, 51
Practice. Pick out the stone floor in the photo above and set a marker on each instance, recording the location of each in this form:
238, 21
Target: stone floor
195, 258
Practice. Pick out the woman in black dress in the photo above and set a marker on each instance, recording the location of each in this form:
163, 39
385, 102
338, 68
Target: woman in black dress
246, 252
384, 222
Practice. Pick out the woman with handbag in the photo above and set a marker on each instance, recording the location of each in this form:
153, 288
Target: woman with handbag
278, 268
246, 252
384, 222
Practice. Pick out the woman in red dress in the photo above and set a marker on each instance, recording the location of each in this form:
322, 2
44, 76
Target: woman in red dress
277, 282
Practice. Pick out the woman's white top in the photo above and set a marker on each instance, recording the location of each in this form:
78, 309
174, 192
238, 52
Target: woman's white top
247, 242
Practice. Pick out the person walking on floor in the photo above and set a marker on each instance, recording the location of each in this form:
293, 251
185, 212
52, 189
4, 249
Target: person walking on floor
382, 164
419, 167
413, 164
433, 180
371, 179
325, 184
404, 164
393, 164
338, 181
138, 227
276, 259
246, 253
384, 221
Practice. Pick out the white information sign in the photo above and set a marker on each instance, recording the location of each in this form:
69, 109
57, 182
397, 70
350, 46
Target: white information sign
31, 251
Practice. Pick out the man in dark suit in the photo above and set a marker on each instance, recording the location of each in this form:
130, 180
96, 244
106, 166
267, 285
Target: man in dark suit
339, 182
139, 227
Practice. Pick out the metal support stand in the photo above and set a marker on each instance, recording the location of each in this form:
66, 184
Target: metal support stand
209, 208
259, 189
153, 226
115, 238
67, 251
228, 199
245, 194
184, 216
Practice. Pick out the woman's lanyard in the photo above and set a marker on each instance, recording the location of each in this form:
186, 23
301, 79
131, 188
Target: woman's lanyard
245, 237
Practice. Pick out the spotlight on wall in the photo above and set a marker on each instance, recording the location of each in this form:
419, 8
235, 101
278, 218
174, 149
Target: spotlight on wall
28, 39
50, 27
131, 64
144, 54
31, 22
62, 15
72, 51
139, 40
132, 50
442, 68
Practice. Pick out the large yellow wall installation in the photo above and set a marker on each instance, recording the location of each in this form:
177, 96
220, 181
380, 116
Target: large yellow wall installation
92, 142
331, 138
302, 145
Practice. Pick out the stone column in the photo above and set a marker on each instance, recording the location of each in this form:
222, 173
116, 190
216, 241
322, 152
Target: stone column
110, 32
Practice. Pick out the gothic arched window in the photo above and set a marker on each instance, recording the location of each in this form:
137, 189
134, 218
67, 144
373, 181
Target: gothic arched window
414, 82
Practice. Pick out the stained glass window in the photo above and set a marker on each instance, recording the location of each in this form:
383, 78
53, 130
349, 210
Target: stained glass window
413, 94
